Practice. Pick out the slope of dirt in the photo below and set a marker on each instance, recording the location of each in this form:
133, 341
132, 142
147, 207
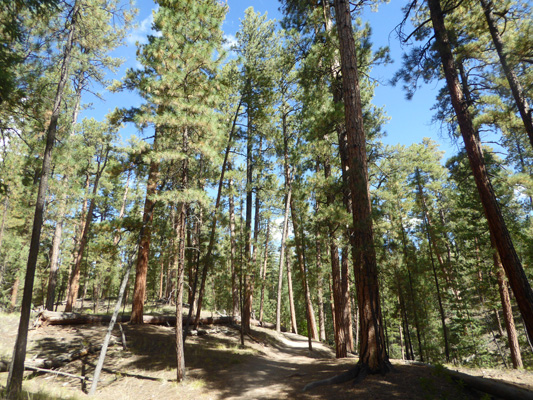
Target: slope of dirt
271, 366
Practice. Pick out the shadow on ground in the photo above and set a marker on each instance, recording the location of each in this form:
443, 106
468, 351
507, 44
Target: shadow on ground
271, 365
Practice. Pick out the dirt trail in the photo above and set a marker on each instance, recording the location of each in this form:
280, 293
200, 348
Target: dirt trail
271, 366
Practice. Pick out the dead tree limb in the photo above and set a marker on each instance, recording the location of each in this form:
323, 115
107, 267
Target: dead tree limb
103, 351
55, 372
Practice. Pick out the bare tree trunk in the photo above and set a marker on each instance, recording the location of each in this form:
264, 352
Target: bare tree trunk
294, 324
346, 301
114, 317
180, 240
233, 253
320, 278
16, 371
510, 261
141, 269
332, 303
75, 277
54, 256
372, 352
263, 273
512, 336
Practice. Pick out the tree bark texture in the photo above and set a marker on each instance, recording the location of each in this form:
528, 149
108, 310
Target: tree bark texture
372, 352
233, 252
512, 336
141, 270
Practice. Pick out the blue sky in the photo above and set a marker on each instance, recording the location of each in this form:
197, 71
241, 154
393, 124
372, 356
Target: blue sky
410, 120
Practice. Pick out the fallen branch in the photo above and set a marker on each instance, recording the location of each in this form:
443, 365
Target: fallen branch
52, 371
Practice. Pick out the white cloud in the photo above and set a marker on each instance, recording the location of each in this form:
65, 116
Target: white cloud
229, 42
142, 30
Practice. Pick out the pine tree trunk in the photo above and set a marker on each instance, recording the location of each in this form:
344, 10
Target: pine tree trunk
346, 302
510, 261
285, 230
263, 273
512, 336
180, 240
320, 278
372, 351
332, 303
338, 297
233, 252
292, 310
54, 256
16, 371
143, 254
311, 322
75, 277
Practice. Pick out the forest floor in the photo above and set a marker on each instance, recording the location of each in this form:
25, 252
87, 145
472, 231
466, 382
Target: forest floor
271, 365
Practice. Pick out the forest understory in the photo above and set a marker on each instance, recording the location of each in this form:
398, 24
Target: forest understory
271, 365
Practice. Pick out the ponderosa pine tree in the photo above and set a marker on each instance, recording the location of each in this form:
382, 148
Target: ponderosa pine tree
372, 351
180, 81
511, 262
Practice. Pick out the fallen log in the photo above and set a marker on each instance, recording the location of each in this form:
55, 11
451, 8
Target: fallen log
493, 387
45, 318
499, 389
69, 318
56, 362
62, 318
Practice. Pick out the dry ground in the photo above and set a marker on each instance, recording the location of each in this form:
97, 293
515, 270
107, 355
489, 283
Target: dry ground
270, 366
